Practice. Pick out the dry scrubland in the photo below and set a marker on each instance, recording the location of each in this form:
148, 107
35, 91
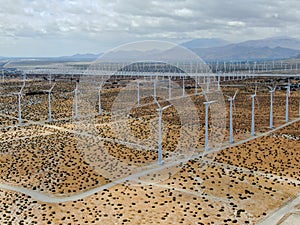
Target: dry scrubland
237, 185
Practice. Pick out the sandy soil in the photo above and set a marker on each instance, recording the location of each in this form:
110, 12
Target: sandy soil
238, 185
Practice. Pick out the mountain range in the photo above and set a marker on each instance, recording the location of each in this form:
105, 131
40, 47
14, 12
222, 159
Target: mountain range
205, 43
261, 49
212, 49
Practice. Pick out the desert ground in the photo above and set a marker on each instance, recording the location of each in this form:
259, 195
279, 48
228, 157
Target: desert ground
74, 171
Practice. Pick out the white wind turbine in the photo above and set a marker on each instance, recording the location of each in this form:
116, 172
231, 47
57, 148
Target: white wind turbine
99, 98
231, 101
49, 103
138, 93
219, 86
206, 124
160, 111
288, 93
24, 76
154, 88
50, 77
19, 104
196, 85
207, 83
253, 113
272, 91
76, 100
170, 87
183, 87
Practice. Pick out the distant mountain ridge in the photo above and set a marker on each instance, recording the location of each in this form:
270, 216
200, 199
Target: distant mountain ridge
273, 42
209, 49
205, 43
212, 49
236, 52
268, 48
76, 57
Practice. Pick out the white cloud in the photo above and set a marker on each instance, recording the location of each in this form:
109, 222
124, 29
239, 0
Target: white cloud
98, 24
236, 23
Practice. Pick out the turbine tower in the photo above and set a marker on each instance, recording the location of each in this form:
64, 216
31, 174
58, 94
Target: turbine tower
272, 91
288, 93
19, 104
24, 76
50, 77
170, 87
207, 83
231, 101
206, 124
219, 87
138, 93
183, 87
49, 103
154, 88
99, 98
76, 100
196, 85
160, 111
253, 113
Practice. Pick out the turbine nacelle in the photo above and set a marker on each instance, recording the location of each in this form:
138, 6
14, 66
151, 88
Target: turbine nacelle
50, 90
272, 89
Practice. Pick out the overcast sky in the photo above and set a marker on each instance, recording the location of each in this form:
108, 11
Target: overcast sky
66, 27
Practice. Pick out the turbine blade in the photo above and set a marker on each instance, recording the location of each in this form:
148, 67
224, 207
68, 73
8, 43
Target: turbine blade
235, 94
168, 106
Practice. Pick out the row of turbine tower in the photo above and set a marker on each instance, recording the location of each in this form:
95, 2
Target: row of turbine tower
230, 99
254, 66
234, 67
253, 96
160, 109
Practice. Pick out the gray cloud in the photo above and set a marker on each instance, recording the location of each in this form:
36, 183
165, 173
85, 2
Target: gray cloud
43, 26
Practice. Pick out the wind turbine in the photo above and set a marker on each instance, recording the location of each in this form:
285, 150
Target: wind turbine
206, 124
183, 88
196, 85
231, 101
160, 111
272, 91
19, 104
76, 100
24, 76
170, 87
138, 93
154, 88
207, 83
219, 87
249, 67
50, 77
49, 103
99, 98
253, 113
288, 93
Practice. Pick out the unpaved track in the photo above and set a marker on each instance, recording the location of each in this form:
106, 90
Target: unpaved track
56, 199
